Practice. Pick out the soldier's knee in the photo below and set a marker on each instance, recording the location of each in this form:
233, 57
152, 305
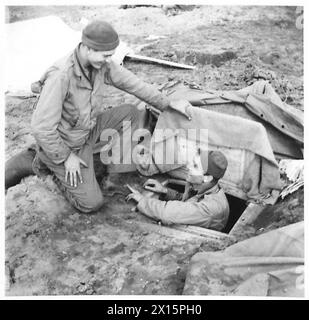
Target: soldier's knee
89, 204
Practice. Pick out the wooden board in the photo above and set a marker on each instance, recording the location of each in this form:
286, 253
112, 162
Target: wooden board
159, 61
207, 233
248, 216
186, 232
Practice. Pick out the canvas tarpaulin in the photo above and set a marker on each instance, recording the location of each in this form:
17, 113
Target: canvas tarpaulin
257, 174
258, 102
259, 98
32, 46
271, 264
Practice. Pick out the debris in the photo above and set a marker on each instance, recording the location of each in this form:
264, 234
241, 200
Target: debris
173, 10
193, 85
160, 61
155, 37
126, 6
123, 50
21, 94
294, 171
291, 188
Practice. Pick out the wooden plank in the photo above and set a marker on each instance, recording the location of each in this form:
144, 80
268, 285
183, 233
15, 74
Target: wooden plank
248, 216
169, 231
159, 61
207, 233
186, 232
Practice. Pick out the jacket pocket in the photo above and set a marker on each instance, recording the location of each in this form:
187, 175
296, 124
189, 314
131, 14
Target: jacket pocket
70, 112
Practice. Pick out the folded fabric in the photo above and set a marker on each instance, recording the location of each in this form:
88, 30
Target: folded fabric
222, 132
271, 264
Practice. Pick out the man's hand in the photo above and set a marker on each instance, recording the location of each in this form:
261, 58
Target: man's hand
135, 195
72, 169
181, 106
155, 186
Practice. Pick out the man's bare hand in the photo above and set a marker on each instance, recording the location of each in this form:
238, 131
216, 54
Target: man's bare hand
135, 195
155, 186
72, 169
182, 107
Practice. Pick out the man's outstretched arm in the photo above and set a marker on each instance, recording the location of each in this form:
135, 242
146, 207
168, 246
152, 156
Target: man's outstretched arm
125, 80
173, 212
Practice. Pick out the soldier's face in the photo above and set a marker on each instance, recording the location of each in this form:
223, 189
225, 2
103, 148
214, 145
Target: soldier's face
199, 187
97, 59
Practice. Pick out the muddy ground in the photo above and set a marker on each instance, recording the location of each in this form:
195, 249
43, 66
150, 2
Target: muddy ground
53, 249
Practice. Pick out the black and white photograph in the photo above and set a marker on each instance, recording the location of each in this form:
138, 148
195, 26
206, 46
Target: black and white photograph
154, 150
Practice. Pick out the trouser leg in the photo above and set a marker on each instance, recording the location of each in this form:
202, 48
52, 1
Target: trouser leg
87, 196
120, 123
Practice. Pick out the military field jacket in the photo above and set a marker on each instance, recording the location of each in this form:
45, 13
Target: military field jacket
209, 210
69, 103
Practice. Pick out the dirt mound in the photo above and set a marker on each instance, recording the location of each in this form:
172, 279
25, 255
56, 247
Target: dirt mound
53, 249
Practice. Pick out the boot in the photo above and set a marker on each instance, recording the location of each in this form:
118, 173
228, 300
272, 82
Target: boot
19, 167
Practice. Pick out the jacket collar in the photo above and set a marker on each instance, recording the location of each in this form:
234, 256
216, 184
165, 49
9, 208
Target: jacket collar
79, 70
214, 189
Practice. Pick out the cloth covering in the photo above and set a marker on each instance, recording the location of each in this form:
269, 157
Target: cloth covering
32, 46
260, 176
260, 99
271, 264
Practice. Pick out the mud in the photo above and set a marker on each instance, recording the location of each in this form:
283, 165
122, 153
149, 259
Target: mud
53, 249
